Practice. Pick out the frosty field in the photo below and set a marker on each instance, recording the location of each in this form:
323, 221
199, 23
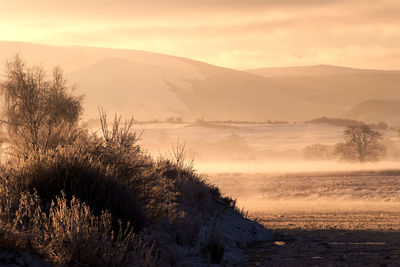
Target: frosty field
312, 192
322, 212
339, 219
262, 163
234, 147
262, 166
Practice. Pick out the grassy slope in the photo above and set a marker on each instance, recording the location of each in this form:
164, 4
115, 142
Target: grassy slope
102, 202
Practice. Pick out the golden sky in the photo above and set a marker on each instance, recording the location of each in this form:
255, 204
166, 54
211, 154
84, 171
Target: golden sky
232, 33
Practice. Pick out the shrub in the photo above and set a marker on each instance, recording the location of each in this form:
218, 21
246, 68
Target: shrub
71, 234
112, 187
78, 174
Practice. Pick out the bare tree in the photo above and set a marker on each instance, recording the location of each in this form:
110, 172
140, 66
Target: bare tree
318, 152
39, 112
361, 144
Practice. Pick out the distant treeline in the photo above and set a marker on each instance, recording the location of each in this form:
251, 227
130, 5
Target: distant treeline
96, 122
201, 121
346, 122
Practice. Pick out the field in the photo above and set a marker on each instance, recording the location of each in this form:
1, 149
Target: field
208, 142
250, 147
321, 212
333, 219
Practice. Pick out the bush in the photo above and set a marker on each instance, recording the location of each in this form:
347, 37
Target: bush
112, 194
69, 233
79, 174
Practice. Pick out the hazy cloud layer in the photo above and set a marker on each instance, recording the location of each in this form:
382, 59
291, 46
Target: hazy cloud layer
232, 33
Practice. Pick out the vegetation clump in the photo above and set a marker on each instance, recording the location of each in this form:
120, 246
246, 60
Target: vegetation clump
77, 198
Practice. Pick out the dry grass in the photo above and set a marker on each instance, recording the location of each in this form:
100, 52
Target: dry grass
71, 234
100, 201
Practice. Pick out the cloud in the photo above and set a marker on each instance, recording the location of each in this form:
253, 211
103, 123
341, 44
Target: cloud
225, 32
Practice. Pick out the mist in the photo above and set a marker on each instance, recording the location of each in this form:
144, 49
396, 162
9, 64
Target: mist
267, 169
291, 166
180, 133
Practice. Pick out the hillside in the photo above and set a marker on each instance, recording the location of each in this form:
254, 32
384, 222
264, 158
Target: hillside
343, 88
377, 110
128, 82
316, 70
150, 85
155, 86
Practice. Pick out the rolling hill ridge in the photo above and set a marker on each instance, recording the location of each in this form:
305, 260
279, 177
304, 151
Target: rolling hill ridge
155, 86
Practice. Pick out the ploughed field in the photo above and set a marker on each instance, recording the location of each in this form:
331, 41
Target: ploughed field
331, 219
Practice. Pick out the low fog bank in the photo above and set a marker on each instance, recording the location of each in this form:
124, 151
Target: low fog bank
268, 148
285, 167
315, 206
293, 166
281, 167
352, 191
245, 147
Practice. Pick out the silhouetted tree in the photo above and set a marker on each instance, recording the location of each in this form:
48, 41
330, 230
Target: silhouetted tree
361, 144
39, 112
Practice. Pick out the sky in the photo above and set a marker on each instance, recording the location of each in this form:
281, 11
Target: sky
237, 34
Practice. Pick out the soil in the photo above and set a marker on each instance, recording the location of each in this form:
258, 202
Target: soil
329, 239
325, 219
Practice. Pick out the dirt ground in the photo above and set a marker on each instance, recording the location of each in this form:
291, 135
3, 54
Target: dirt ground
329, 239
324, 220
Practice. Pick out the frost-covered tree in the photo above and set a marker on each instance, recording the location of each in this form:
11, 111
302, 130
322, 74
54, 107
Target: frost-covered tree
39, 112
361, 144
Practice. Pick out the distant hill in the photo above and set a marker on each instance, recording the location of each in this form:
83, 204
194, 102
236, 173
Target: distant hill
128, 82
341, 87
149, 85
374, 110
316, 70
155, 86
